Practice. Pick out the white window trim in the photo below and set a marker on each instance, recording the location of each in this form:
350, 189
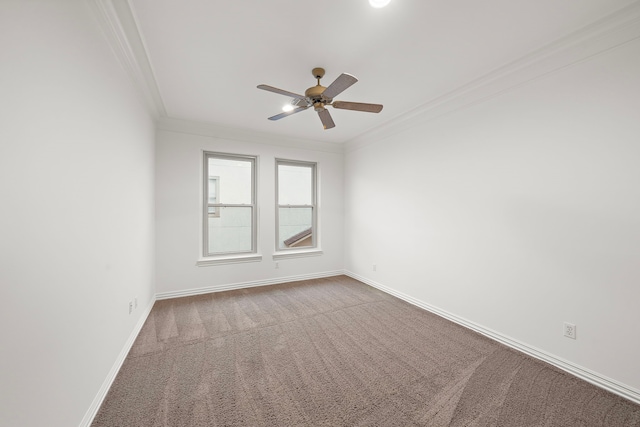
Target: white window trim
228, 259
300, 253
205, 258
295, 252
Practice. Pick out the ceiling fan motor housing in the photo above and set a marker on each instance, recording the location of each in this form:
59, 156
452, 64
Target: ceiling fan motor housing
314, 92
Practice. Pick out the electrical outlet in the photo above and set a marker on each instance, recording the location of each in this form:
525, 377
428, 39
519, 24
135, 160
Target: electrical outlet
130, 307
277, 265
375, 267
570, 330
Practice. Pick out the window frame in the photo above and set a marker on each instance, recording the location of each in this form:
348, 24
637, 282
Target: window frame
208, 258
291, 251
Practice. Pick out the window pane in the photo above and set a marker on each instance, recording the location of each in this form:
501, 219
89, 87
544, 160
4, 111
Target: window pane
234, 180
294, 185
231, 230
213, 189
295, 227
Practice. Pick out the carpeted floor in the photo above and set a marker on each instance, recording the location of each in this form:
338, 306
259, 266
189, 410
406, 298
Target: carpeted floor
336, 352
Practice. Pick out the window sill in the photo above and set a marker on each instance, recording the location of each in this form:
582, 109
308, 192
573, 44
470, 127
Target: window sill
297, 253
231, 259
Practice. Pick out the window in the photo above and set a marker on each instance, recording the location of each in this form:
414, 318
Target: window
229, 204
296, 205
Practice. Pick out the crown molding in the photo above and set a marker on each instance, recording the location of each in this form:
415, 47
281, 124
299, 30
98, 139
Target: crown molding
245, 135
604, 35
120, 26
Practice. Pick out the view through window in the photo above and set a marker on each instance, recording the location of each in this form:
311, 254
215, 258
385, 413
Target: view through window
296, 204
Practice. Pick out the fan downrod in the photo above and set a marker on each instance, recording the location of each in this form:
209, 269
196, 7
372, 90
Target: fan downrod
315, 92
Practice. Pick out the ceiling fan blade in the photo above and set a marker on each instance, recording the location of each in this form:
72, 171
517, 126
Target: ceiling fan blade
326, 119
339, 85
357, 106
288, 113
280, 91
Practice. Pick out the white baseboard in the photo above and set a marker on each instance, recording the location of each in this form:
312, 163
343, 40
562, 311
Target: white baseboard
588, 375
242, 285
106, 385
592, 377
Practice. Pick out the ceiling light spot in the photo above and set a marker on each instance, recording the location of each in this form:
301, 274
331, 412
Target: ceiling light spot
287, 108
379, 3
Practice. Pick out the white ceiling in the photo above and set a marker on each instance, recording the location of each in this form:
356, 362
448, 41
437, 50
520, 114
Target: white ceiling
208, 56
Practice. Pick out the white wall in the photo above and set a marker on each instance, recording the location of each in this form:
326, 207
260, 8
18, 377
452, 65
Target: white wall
76, 216
179, 217
517, 213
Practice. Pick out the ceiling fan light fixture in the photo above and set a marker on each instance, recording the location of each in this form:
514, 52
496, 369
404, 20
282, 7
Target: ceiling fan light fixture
379, 3
287, 107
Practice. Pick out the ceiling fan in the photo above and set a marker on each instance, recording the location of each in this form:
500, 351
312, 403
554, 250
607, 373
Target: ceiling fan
319, 97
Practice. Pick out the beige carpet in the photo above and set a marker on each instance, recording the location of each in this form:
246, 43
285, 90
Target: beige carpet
336, 352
